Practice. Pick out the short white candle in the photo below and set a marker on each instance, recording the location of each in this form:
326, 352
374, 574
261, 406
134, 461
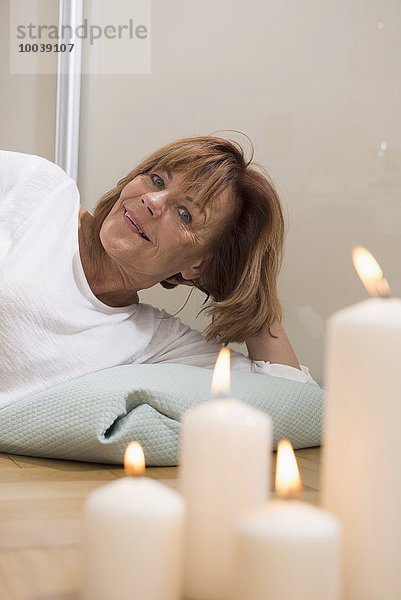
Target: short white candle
225, 457
133, 540
361, 480
287, 549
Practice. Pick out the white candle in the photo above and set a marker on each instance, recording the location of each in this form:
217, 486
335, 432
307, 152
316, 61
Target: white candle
362, 472
287, 549
133, 540
225, 457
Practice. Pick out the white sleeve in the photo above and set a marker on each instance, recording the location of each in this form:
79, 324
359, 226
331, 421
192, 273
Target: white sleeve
12, 165
25, 182
174, 342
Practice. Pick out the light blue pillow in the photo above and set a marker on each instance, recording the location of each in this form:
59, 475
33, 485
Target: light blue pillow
94, 417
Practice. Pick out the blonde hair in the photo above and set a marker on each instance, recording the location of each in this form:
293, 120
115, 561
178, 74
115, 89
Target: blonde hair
241, 278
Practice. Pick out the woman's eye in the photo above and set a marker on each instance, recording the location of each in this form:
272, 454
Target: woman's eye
185, 215
158, 181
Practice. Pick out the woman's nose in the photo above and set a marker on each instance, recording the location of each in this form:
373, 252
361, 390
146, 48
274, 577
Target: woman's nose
154, 202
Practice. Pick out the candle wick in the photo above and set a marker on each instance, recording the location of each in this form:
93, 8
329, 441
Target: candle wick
382, 288
134, 474
290, 495
287, 497
220, 395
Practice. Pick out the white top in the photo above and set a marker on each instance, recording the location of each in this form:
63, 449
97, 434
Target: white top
52, 327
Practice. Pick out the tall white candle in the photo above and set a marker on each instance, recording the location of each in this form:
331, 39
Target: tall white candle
362, 438
133, 539
225, 457
287, 549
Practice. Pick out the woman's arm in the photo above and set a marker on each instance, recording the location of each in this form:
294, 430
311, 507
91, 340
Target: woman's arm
174, 342
275, 350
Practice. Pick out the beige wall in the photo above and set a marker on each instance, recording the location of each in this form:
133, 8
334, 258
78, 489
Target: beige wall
27, 102
316, 86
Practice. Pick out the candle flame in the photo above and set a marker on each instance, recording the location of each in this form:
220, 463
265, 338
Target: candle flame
288, 479
370, 272
134, 459
221, 374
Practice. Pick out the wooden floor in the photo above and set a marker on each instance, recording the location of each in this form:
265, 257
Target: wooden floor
41, 516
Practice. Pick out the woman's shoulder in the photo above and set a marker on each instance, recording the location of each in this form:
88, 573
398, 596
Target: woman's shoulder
147, 311
26, 183
162, 320
19, 171
153, 311
29, 163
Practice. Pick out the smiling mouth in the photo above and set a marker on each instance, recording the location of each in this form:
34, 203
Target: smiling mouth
140, 231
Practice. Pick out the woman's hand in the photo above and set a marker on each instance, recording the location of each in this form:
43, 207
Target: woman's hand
275, 350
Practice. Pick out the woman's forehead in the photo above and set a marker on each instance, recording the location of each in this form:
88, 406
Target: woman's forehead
204, 189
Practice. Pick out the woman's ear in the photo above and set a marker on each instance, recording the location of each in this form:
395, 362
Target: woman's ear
198, 269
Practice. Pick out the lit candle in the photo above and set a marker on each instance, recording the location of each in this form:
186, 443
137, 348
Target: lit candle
225, 457
287, 549
133, 537
362, 448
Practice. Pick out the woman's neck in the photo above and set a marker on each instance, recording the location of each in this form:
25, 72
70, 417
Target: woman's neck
108, 289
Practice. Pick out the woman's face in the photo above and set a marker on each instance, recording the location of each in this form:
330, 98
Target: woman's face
156, 229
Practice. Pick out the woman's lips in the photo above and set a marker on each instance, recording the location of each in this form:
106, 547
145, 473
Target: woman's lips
132, 225
135, 218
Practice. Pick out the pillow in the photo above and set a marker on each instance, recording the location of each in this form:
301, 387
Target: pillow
94, 417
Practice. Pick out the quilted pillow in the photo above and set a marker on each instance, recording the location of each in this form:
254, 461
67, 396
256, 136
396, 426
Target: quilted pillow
94, 417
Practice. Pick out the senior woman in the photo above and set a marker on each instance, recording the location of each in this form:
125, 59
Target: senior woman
194, 212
